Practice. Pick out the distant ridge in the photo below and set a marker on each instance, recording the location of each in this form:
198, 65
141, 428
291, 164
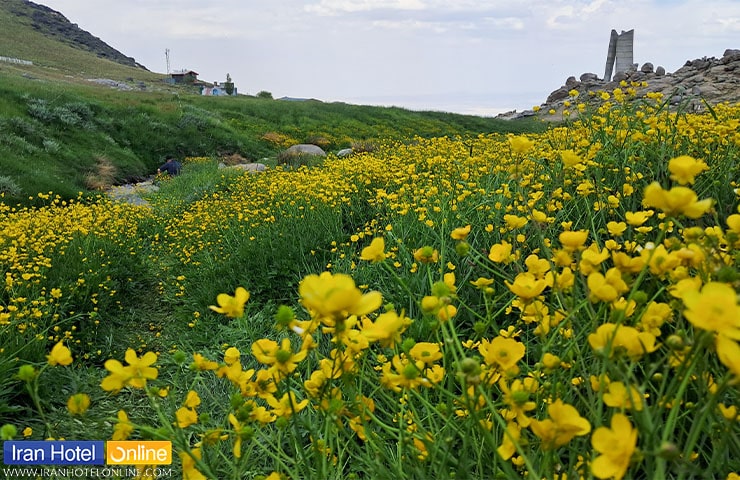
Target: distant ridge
56, 26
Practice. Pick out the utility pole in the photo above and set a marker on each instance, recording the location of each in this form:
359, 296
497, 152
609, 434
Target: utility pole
167, 56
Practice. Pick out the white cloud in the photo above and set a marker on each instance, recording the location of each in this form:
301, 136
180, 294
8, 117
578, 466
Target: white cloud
336, 7
471, 55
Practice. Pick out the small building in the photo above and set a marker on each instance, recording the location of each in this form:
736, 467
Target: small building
214, 91
218, 90
184, 77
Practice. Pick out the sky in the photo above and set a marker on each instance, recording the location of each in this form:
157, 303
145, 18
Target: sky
480, 57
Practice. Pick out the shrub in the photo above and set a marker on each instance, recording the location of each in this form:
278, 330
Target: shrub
364, 146
9, 187
104, 175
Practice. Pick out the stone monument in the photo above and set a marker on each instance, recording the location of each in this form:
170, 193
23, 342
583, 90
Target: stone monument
620, 52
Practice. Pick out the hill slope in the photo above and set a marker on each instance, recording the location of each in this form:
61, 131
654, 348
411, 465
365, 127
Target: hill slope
58, 128
54, 26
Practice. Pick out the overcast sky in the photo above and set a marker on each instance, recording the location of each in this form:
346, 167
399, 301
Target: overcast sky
468, 56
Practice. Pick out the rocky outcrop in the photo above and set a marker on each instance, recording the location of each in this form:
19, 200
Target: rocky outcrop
710, 79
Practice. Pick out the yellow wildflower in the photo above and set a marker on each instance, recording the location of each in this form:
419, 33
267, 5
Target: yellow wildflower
78, 403
564, 423
622, 396
327, 296
715, 309
526, 286
59, 355
375, 252
280, 358
728, 352
123, 428
510, 441
460, 233
573, 240
138, 371
520, 144
501, 252
386, 329
684, 169
202, 363
189, 470
616, 446
501, 352
232, 307
676, 201
426, 254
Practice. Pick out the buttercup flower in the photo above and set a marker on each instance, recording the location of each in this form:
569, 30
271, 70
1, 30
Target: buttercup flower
676, 201
138, 371
426, 254
328, 295
510, 440
619, 395
526, 286
280, 358
78, 403
573, 240
570, 158
520, 144
501, 252
616, 446
232, 307
123, 428
684, 169
375, 252
386, 329
564, 423
460, 233
715, 309
59, 355
501, 352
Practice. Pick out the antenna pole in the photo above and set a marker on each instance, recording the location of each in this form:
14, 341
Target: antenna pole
167, 56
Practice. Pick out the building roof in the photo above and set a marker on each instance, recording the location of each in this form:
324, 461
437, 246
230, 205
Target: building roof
183, 73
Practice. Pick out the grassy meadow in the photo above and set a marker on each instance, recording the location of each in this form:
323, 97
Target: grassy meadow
547, 305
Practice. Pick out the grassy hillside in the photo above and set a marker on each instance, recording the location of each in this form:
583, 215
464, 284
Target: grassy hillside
52, 51
58, 128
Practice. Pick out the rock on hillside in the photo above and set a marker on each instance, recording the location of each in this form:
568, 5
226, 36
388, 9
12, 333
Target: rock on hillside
53, 24
714, 80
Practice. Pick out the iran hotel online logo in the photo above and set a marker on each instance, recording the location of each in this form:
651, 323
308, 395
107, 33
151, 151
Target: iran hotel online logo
87, 452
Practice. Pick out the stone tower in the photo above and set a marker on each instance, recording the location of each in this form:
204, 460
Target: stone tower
620, 52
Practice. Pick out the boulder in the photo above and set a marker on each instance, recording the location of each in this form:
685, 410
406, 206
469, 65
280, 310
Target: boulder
559, 94
619, 76
660, 71
647, 67
251, 167
589, 77
306, 149
345, 152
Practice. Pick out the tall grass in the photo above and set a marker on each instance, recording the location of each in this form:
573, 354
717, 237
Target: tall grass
535, 308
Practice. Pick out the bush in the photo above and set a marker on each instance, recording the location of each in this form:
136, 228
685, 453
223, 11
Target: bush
104, 175
9, 187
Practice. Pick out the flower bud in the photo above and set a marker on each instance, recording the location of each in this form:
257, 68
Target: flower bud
8, 431
26, 373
